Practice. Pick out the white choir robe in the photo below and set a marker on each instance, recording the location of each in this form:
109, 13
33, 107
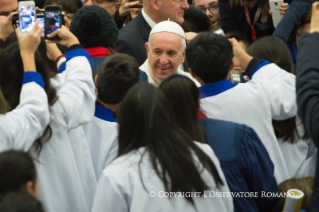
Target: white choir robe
120, 188
269, 95
60, 182
20, 127
101, 134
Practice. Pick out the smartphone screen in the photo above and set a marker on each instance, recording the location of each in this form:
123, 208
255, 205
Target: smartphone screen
52, 19
27, 17
39, 17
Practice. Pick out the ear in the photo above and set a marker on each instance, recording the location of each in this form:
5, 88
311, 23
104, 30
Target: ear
95, 80
183, 56
155, 4
192, 73
29, 188
147, 47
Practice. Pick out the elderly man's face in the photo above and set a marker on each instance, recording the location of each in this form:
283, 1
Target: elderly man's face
8, 6
165, 52
173, 10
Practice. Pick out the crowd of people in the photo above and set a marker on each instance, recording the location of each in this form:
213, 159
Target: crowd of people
160, 105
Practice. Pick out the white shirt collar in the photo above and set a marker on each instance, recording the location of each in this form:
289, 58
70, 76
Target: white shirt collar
150, 22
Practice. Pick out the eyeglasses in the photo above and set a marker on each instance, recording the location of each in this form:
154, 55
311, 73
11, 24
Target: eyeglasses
213, 9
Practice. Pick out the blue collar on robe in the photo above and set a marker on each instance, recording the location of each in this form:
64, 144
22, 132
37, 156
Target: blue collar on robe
104, 113
215, 88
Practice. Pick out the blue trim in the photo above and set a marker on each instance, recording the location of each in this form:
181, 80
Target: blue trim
295, 52
76, 53
31, 76
215, 88
264, 63
62, 67
104, 113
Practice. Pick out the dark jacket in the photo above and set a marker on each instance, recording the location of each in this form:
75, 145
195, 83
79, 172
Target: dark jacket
307, 85
235, 19
132, 39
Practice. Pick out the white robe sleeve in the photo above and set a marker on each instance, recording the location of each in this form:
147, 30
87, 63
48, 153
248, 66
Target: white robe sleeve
108, 197
77, 95
280, 88
22, 126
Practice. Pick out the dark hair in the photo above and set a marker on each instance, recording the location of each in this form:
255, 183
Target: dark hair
16, 169
209, 56
69, 6
272, 49
195, 20
275, 51
3, 104
305, 184
116, 75
20, 202
306, 18
183, 97
239, 36
263, 4
145, 120
11, 77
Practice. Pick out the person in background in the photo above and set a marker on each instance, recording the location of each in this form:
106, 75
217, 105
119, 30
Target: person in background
17, 174
20, 202
111, 6
127, 12
307, 89
8, 6
210, 8
96, 31
115, 76
165, 52
156, 156
271, 90
5, 28
243, 158
134, 35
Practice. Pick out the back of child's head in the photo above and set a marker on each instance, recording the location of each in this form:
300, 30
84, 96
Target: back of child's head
272, 49
16, 169
209, 56
239, 36
20, 202
305, 184
115, 76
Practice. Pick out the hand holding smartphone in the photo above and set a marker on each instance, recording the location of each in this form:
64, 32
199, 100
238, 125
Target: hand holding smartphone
275, 13
52, 20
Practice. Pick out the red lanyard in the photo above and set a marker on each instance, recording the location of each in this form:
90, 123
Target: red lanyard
253, 31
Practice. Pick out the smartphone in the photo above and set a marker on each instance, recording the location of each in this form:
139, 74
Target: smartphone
140, 5
52, 20
26, 15
274, 7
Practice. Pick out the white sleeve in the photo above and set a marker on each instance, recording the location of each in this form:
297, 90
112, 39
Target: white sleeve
108, 196
77, 95
22, 126
280, 87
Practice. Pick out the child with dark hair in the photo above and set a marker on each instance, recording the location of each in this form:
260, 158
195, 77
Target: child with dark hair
20, 202
17, 174
115, 76
159, 167
243, 158
270, 94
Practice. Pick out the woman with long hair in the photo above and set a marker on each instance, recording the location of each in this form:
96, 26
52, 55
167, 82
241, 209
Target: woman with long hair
243, 158
159, 167
299, 151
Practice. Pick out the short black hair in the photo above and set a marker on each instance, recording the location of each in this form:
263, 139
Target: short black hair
116, 75
239, 36
209, 56
20, 202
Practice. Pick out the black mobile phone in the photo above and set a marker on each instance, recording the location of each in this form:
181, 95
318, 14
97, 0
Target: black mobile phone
52, 20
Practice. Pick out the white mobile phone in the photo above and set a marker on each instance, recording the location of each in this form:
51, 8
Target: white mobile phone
27, 15
274, 7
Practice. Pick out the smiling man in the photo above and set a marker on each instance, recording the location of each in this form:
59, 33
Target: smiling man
8, 6
165, 51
